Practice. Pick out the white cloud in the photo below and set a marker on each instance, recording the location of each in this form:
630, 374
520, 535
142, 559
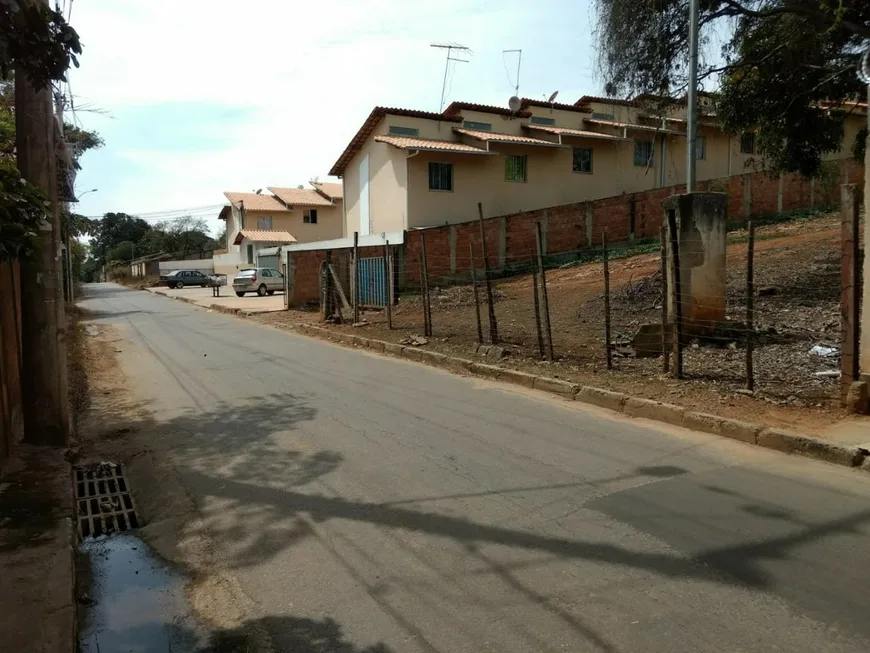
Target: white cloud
306, 74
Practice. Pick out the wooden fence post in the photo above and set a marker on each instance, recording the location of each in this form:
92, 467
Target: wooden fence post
676, 292
607, 352
666, 354
476, 295
850, 284
427, 307
388, 284
545, 304
750, 306
493, 324
540, 333
354, 290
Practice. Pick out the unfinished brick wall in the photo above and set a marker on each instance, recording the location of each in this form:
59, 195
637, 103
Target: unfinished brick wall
510, 239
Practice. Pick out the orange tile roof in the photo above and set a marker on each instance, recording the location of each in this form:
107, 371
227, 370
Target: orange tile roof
454, 108
299, 196
225, 212
369, 125
255, 202
330, 189
580, 133
630, 125
496, 137
543, 104
277, 237
430, 145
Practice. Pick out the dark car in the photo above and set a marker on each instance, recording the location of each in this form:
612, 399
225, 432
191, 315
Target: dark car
181, 278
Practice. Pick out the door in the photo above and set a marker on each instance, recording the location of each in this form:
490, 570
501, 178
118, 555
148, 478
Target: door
365, 225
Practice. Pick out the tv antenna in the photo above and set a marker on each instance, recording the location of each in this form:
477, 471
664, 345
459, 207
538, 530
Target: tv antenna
450, 47
519, 64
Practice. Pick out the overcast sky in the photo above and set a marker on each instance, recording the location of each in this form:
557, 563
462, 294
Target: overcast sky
207, 97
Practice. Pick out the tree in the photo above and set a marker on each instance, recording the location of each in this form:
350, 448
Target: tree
123, 252
787, 67
37, 40
185, 236
116, 228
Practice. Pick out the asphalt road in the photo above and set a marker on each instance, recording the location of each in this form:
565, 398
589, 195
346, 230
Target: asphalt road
369, 504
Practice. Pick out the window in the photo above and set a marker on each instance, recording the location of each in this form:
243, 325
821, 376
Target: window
643, 153
265, 273
747, 143
515, 167
250, 254
395, 130
309, 216
700, 148
440, 176
583, 159
603, 116
264, 223
538, 120
479, 126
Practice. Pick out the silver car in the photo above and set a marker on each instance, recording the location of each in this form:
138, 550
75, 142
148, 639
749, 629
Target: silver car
263, 281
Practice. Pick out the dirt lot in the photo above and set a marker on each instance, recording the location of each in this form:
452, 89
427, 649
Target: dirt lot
796, 272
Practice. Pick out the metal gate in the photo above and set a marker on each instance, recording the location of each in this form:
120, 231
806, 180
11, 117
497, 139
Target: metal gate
268, 262
371, 289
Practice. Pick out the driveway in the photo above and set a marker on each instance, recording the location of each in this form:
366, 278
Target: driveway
371, 505
204, 297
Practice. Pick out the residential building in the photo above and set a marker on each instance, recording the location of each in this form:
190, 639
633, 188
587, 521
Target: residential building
280, 217
406, 169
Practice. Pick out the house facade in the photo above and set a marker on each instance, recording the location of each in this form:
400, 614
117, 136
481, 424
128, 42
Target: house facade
408, 169
283, 216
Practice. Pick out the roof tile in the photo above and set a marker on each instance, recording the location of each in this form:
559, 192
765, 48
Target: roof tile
277, 237
299, 196
330, 189
580, 133
255, 202
412, 143
496, 137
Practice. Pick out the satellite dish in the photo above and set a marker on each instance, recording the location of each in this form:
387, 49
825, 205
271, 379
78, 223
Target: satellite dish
258, 191
514, 104
300, 187
553, 97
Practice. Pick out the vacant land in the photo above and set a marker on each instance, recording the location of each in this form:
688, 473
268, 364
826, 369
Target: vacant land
797, 307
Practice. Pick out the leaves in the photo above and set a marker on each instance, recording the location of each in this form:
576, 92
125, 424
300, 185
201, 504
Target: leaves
22, 212
787, 68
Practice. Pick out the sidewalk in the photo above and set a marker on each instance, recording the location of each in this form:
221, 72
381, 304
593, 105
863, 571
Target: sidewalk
227, 302
37, 552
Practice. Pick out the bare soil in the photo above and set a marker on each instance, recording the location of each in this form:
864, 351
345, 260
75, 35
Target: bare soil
797, 307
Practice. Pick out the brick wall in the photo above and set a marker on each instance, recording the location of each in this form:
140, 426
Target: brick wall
510, 239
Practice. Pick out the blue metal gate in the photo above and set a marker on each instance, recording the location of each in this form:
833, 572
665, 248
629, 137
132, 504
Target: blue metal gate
371, 289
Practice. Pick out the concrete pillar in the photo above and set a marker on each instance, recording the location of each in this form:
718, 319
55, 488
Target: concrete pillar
701, 226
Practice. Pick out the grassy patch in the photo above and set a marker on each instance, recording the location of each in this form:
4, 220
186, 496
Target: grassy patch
77, 376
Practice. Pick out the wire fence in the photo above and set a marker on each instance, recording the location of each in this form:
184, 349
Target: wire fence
770, 325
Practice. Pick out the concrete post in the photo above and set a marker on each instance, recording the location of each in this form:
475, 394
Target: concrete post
701, 227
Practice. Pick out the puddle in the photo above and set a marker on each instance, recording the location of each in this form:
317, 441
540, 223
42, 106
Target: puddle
137, 603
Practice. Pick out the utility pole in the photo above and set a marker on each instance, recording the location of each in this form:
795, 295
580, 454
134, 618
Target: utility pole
692, 100
44, 379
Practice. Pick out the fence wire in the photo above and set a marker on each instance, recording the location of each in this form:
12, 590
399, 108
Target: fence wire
796, 317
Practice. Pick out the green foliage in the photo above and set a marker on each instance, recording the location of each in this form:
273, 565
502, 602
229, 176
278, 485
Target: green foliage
75, 225
22, 211
123, 252
788, 67
35, 39
81, 140
116, 228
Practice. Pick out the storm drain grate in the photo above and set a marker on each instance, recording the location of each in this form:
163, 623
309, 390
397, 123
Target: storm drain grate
103, 501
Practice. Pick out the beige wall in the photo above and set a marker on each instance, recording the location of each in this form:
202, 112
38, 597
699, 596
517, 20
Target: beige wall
329, 222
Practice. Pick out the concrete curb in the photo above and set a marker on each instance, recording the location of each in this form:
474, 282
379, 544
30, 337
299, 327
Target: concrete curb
212, 307
636, 407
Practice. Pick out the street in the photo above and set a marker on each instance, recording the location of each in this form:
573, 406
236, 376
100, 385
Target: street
365, 504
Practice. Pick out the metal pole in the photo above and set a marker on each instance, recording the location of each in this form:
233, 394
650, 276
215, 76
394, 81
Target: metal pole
355, 288
666, 354
388, 284
692, 100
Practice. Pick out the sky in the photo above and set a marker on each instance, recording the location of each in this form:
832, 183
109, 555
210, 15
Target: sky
194, 99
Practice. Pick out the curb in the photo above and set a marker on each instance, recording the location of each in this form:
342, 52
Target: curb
635, 407
211, 307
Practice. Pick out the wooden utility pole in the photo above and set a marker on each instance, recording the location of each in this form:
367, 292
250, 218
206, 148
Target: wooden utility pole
545, 302
676, 291
44, 378
607, 352
475, 293
750, 307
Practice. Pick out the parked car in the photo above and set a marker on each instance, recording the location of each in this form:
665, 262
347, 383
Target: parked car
181, 278
263, 281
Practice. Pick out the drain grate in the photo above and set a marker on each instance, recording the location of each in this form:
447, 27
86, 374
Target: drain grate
103, 501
